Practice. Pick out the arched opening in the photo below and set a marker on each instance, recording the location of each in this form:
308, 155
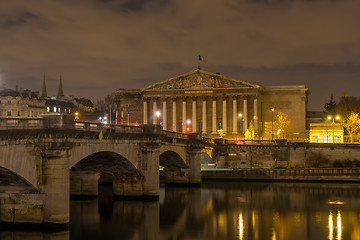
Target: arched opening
106, 168
13, 182
206, 161
175, 170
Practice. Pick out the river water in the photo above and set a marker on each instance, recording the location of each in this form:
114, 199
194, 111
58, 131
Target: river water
219, 210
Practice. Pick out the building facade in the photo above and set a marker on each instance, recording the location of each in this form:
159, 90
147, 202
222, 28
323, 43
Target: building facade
21, 103
215, 105
326, 133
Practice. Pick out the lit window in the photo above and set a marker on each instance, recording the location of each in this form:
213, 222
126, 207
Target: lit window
48, 109
58, 109
69, 110
54, 109
65, 109
315, 138
338, 139
326, 138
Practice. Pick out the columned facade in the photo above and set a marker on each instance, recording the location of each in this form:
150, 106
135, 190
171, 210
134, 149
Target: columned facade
214, 105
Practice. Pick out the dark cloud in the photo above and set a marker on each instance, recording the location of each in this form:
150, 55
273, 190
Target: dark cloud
20, 19
103, 45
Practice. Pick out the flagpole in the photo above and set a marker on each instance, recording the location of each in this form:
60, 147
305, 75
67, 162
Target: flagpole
199, 61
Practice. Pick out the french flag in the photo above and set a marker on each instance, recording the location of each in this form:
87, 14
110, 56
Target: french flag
202, 59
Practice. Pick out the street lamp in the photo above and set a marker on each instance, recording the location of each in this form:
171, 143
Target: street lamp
241, 124
333, 124
272, 123
157, 116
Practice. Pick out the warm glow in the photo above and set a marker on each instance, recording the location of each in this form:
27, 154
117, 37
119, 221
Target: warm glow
273, 109
339, 226
241, 226
188, 129
337, 117
329, 117
157, 114
188, 122
331, 226
240, 115
76, 114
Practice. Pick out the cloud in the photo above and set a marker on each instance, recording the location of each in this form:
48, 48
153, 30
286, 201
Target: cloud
102, 45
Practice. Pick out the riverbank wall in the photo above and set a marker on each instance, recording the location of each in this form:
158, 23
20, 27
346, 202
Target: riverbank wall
286, 155
310, 174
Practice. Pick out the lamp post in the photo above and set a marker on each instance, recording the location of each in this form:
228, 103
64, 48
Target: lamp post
272, 123
333, 125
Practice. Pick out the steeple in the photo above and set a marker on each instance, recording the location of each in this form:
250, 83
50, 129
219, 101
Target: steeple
43, 91
60, 91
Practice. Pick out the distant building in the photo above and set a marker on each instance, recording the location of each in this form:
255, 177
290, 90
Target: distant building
21, 103
26, 103
215, 105
326, 133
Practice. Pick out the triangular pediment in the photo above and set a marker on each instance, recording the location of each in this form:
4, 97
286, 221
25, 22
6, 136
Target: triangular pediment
199, 79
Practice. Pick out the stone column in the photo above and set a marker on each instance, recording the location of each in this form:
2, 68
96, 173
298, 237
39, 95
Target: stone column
194, 160
214, 115
56, 185
145, 113
183, 115
194, 125
224, 115
204, 115
149, 167
235, 115
256, 116
164, 115
174, 120
154, 113
245, 114
84, 184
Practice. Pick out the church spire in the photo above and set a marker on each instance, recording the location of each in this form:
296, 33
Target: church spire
43, 91
60, 91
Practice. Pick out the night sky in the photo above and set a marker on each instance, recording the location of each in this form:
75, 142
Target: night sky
102, 45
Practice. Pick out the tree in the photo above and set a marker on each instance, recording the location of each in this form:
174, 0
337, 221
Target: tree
330, 107
104, 104
347, 105
352, 125
282, 125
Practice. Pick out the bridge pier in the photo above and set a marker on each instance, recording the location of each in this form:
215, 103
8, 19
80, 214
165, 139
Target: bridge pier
177, 176
84, 185
128, 187
149, 167
55, 184
194, 155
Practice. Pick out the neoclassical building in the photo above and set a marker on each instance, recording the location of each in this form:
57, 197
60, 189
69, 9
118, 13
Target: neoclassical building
215, 105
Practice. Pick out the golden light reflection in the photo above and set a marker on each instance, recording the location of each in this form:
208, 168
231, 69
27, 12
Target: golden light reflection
253, 220
331, 226
241, 227
273, 235
339, 226
221, 221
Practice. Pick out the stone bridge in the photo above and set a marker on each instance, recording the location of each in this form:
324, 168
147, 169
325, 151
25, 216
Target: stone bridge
44, 160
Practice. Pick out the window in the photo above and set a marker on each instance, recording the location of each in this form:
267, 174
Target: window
18, 113
200, 126
9, 113
315, 138
58, 109
220, 126
180, 126
9, 101
55, 109
48, 109
338, 139
326, 138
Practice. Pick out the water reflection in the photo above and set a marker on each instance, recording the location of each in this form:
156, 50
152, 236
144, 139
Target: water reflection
217, 210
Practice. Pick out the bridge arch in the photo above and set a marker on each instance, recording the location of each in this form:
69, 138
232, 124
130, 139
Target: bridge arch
106, 162
15, 182
171, 159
